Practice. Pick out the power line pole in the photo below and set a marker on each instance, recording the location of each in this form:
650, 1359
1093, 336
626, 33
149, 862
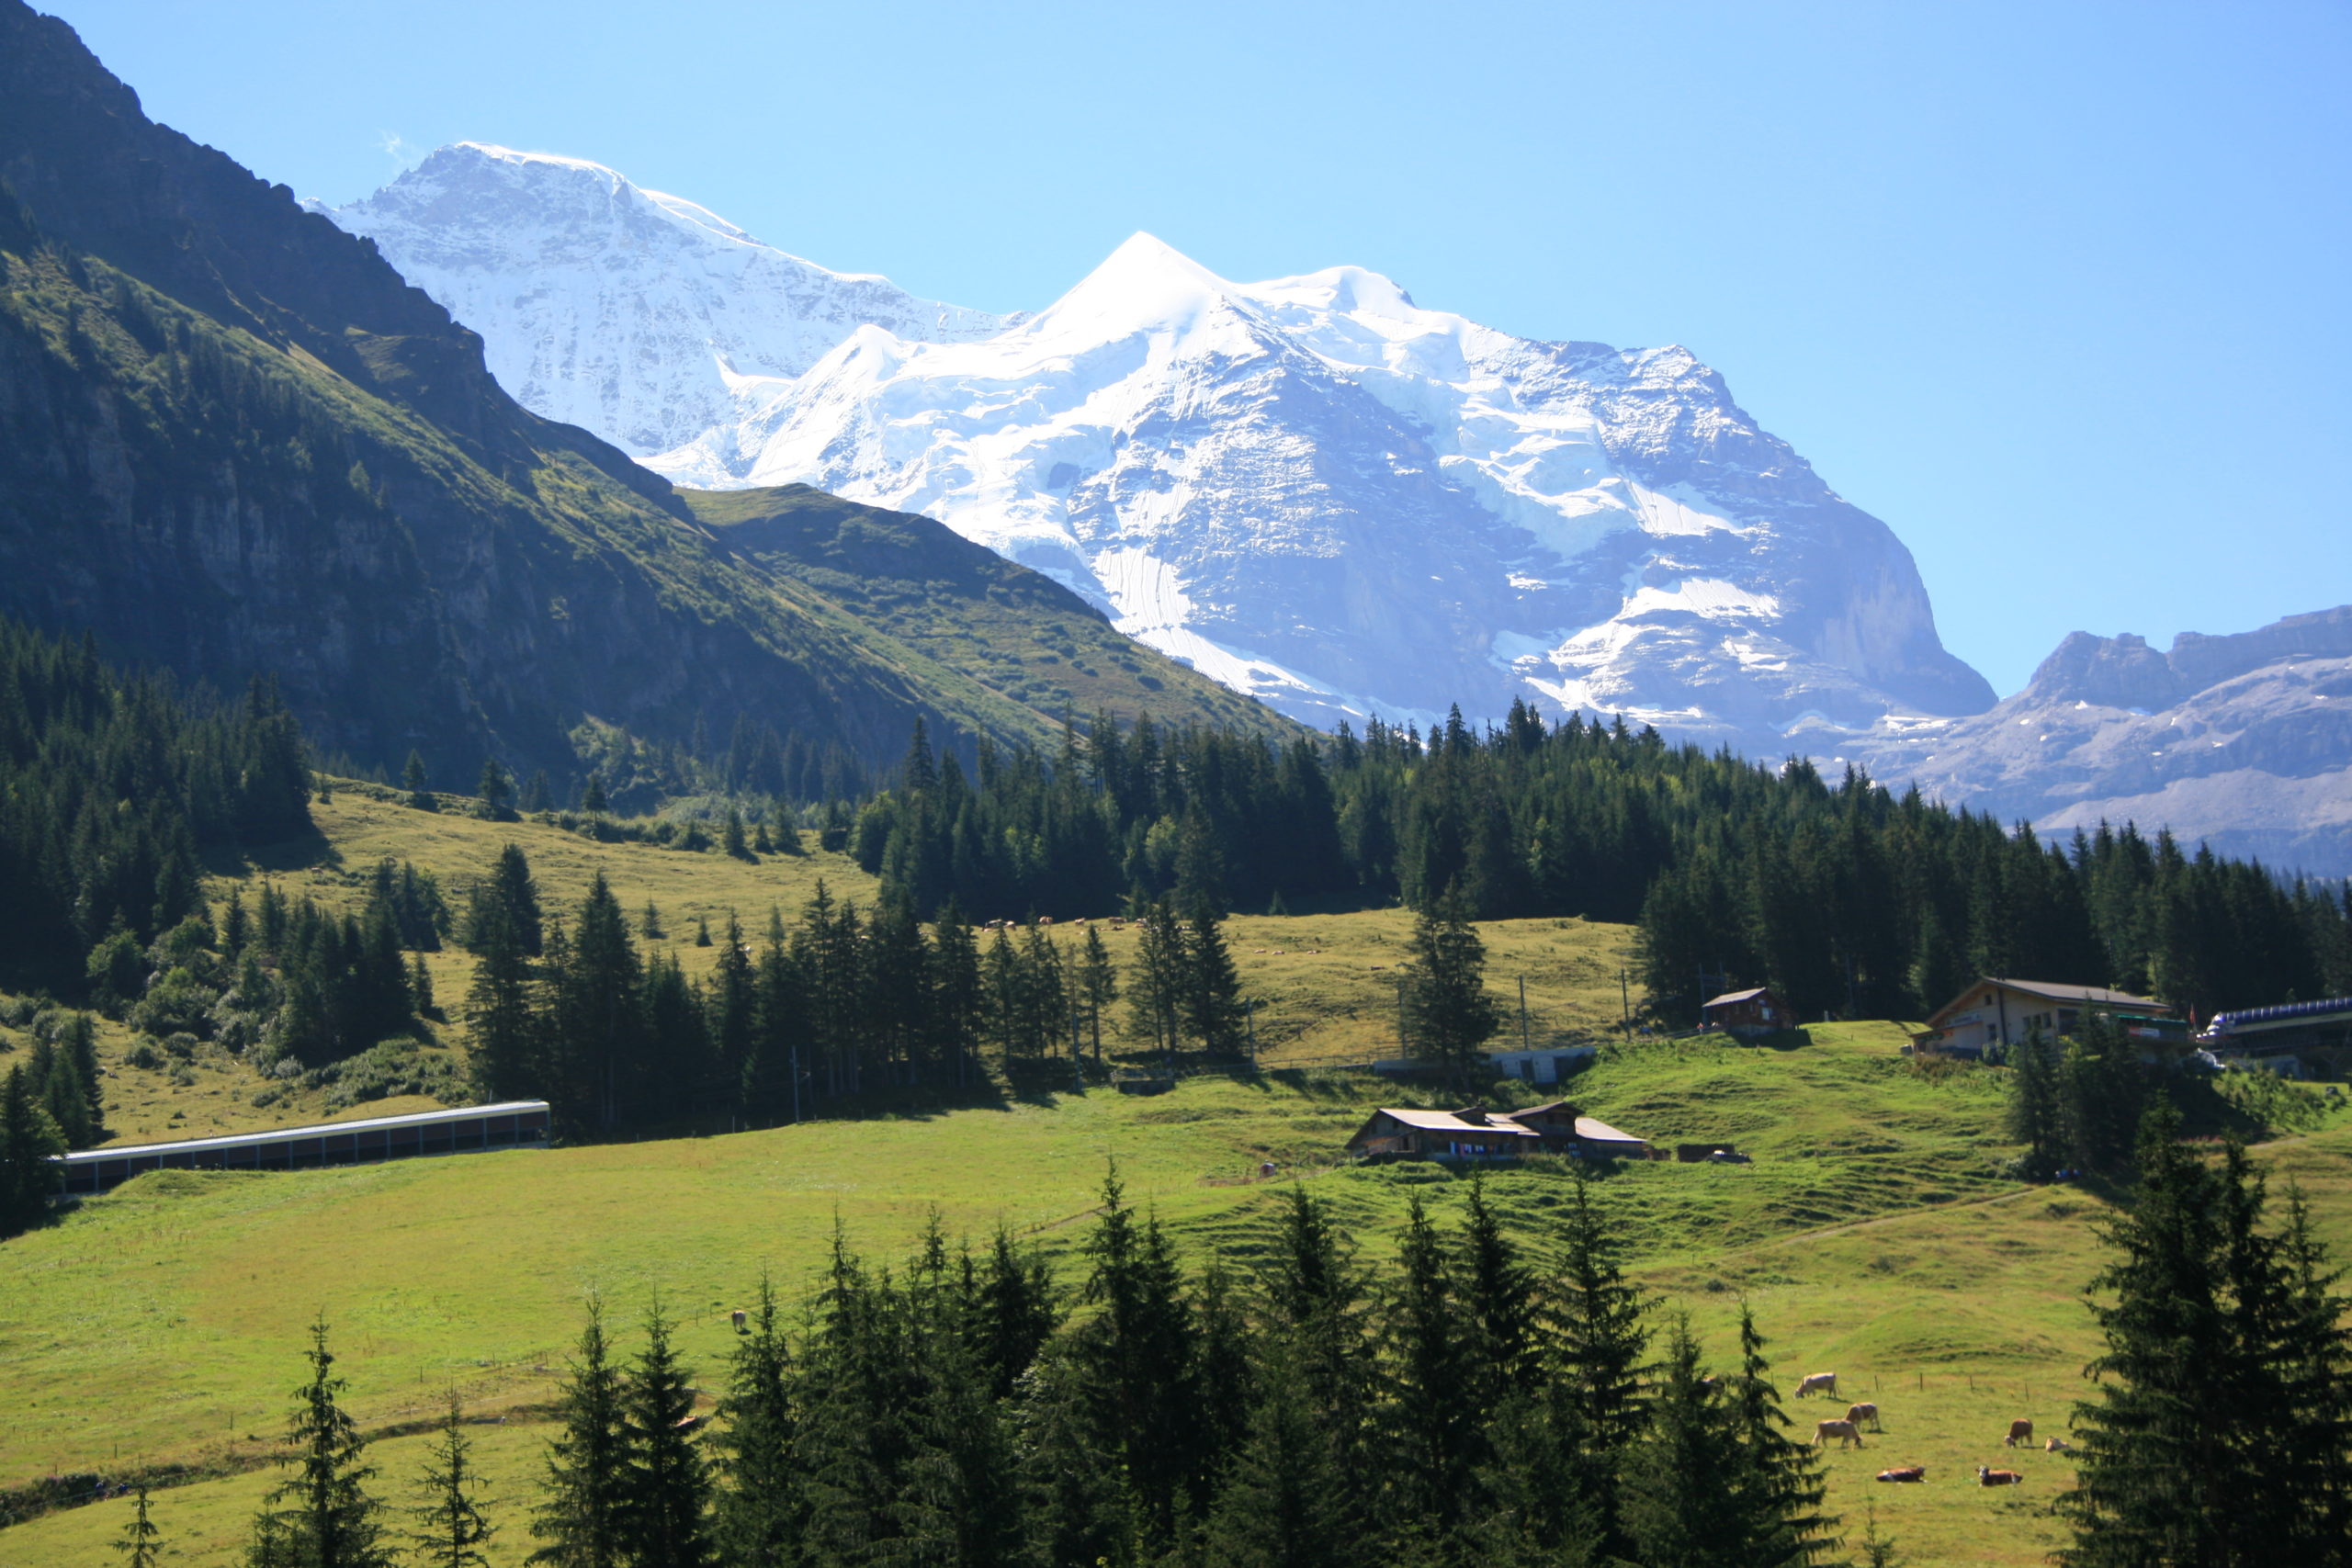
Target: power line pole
1526, 1039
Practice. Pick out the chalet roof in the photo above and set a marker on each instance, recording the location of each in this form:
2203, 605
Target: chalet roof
1746, 995
1548, 1106
1594, 1131
2053, 991
1452, 1121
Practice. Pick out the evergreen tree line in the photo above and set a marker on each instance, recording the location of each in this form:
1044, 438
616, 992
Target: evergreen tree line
111, 788
840, 1002
1845, 898
1470, 1402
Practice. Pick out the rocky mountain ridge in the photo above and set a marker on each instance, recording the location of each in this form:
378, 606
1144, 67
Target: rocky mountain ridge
2243, 741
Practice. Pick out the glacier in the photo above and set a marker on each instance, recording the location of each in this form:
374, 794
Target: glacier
1312, 489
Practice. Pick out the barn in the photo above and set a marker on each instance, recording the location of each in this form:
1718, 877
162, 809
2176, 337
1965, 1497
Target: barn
1469, 1134
1747, 1014
501, 1126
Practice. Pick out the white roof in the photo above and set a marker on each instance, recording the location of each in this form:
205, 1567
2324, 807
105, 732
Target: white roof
1447, 1121
317, 1129
1601, 1131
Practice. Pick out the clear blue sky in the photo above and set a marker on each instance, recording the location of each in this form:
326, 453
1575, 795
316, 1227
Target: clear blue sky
2059, 290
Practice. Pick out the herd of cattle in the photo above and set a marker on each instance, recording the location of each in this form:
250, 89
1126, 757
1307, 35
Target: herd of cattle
1848, 1433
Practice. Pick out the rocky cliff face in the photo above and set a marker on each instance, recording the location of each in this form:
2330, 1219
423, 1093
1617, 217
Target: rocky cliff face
2243, 741
233, 440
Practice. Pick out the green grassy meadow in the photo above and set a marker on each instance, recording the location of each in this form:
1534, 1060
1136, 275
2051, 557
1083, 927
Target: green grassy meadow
1875, 1234
163, 1322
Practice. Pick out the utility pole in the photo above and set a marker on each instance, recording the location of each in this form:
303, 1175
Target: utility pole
1525, 1037
1624, 1004
1253, 1034
1077, 1048
1402, 1049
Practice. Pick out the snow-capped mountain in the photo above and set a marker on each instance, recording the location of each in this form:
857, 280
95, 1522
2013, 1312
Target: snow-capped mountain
622, 309
1311, 488
2243, 741
1341, 502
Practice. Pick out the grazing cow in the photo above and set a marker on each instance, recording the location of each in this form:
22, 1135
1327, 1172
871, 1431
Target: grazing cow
1842, 1430
2057, 1446
739, 1318
1819, 1383
1908, 1473
1864, 1415
1997, 1477
2020, 1431
686, 1423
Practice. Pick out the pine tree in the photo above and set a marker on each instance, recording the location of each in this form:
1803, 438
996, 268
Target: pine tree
1781, 1480
27, 1139
702, 931
1099, 984
413, 781
1156, 986
2219, 1435
141, 1544
1210, 1001
2036, 1116
420, 983
323, 1513
664, 1503
1600, 1324
579, 1517
1448, 1015
1010, 1312
1286, 1502
492, 793
591, 798
1681, 1507
650, 923
1497, 1304
1433, 1432
732, 840
759, 1509
538, 794
505, 1060
449, 1506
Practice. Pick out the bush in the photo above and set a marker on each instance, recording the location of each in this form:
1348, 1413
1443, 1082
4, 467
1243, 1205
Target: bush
178, 1003
387, 1069
118, 972
144, 1055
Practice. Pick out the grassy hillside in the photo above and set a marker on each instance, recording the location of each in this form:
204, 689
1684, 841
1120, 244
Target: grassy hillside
162, 1322
1325, 984
959, 606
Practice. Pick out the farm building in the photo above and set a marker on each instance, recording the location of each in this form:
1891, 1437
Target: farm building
1749, 1012
1564, 1132
1469, 1134
1994, 1013
1541, 1067
500, 1126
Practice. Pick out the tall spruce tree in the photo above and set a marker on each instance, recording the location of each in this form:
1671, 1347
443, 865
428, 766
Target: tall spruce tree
665, 1503
1210, 1001
760, 1508
1098, 983
323, 1516
580, 1519
2221, 1430
1448, 1015
27, 1139
1433, 1432
452, 1529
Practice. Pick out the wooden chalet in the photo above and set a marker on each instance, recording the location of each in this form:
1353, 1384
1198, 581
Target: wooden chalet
1468, 1133
1992, 1014
1754, 1011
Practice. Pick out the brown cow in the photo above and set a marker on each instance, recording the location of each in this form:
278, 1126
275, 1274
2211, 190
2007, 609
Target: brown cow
1844, 1430
2020, 1431
1819, 1383
1864, 1415
1997, 1477
1908, 1473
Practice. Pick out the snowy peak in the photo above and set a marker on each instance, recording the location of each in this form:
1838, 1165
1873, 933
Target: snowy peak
1312, 488
631, 311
